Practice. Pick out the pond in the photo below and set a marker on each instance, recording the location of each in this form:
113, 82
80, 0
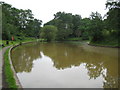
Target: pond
65, 65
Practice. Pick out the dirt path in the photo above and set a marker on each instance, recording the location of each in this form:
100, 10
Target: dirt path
1, 64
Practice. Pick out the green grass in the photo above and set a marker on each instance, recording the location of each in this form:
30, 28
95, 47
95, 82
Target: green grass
109, 41
16, 41
74, 39
0, 44
9, 76
106, 43
8, 72
0, 41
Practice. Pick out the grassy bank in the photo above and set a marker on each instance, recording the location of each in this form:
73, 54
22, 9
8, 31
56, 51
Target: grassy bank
9, 76
8, 73
106, 43
4, 42
0, 44
109, 42
73, 39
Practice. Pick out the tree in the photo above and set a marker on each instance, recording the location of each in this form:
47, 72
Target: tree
83, 29
49, 32
76, 23
18, 23
63, 21
33, 28
96, 27
113, 15
113, 18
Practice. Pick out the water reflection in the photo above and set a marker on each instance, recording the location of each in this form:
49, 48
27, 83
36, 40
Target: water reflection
94, 62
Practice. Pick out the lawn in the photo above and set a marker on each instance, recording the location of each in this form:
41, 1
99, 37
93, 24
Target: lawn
4, 42
9, 76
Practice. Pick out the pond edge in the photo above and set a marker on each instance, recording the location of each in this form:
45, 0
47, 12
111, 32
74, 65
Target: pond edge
104, 46
12, 67
11, 64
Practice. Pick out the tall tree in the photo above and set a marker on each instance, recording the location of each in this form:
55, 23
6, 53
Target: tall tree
84, 28
96, 27
18, 22
49, 32
76, 22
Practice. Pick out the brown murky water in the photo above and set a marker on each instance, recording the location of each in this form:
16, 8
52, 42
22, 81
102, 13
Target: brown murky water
66, 65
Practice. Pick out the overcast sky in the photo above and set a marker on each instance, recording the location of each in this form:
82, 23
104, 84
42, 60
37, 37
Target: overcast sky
45, 9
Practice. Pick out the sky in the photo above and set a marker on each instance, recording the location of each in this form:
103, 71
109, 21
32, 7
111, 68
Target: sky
45, 9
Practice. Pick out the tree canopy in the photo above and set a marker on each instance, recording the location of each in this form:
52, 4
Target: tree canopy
95, 28
49, 32
21, 23
18, 23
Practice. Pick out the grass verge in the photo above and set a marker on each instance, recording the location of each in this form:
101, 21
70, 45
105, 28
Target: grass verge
107, 44
73, 39
9, 76
18, 41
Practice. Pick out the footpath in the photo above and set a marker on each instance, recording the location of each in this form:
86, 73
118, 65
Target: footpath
2, 51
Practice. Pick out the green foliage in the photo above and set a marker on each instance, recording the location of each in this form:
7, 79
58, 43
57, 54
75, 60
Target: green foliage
113, 15
63, 21
21, 23
49, 32
93, 28
74, 39
18, 22
84, 28
96, 27
8, 72
17, 41
76, 23
85, 35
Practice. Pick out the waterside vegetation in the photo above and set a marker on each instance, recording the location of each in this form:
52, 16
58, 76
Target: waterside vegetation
9, 76
19, 24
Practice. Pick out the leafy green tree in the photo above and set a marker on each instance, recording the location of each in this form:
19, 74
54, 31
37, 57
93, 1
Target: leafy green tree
33, 28
63, 21
84, 28
113, 19
113, 14
49, 32
76, 23
96, 27
18, 23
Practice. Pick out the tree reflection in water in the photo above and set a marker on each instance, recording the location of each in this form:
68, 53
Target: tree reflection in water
98, 61
95, 70
24, 57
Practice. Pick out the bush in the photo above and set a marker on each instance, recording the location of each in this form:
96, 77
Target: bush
49, 32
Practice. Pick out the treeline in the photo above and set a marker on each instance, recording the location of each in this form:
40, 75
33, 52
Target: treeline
96, 28
21, 23
18, 23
